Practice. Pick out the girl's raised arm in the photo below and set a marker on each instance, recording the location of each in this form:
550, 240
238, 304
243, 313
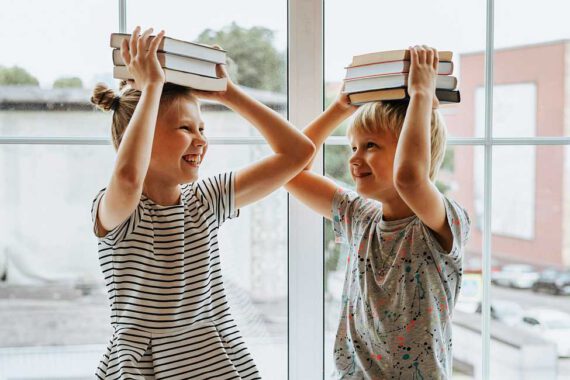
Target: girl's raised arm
133, 156
292, 150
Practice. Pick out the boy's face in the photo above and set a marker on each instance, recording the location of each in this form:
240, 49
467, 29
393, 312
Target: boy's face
179, 143
372, 163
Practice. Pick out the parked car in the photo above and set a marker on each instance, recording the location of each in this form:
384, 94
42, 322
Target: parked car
553, 281
508, 312
520, 276
551, 324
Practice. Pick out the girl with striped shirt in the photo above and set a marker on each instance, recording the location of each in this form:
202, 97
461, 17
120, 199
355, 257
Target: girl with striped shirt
157, 223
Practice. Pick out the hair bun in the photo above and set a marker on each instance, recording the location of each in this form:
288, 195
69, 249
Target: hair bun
103, 97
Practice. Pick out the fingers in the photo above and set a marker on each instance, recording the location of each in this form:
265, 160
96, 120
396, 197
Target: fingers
143, 41
413, 56
133, 41
435, 59
423, 54
156, 42
216, 46
125, 53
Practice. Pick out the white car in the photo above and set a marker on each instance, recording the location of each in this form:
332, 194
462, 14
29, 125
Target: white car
551, 324
521, 276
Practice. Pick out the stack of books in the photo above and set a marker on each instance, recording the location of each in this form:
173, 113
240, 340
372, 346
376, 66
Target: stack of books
383, 76
185, 63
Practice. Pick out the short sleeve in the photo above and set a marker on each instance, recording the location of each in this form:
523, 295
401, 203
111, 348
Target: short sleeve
123, 230
219, 193
460, 225
348, 212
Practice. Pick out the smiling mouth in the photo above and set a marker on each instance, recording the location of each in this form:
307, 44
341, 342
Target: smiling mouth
358, 176
193, 159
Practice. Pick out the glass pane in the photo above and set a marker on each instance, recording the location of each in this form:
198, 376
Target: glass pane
444, 24
455, 181
53, 304
536, 58
58, 51
531, 252
256, 43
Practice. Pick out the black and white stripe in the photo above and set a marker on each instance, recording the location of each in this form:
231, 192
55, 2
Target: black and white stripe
168, 304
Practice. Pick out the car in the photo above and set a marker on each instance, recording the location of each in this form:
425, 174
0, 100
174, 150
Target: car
552, 325
508, 312
553, 281
522, 276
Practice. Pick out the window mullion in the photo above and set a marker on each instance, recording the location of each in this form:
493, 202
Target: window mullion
305, 65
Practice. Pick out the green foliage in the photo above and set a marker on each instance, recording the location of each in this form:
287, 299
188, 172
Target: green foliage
68, 82
16, 76
258, 64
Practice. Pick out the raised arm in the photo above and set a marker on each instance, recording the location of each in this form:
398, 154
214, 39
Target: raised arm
292, 150
411, 162
133, 156
315, 190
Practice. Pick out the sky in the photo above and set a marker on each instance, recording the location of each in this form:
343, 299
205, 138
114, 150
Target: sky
70, 38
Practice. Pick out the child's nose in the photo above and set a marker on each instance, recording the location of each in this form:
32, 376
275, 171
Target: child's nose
199, 141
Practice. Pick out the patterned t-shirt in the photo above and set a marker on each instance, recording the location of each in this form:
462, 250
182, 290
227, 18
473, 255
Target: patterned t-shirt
399, 292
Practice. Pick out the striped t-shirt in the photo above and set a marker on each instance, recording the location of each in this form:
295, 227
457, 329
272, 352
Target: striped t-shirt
169, 311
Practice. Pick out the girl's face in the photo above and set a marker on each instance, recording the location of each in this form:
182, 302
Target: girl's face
372, 163
179, 143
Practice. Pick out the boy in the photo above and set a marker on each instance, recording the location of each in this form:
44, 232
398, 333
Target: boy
405, 238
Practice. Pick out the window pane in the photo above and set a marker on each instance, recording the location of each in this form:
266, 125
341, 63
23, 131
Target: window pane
444, 24
53, 304
455, 180
256, 42
536, 57
58, 51
531, 252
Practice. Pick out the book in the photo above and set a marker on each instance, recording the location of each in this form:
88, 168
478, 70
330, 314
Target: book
392, 55
176, 62
444, 96
179, 47
392, 81
181, 78
387, 68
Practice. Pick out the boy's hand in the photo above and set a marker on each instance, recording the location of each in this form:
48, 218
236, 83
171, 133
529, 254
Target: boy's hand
423, 72
142, 62
218, 96
342, 102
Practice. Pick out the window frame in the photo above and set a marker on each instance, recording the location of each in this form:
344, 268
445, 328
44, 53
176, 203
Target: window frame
305, 68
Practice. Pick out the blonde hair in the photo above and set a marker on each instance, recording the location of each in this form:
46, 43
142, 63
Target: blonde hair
389, 117
124, 103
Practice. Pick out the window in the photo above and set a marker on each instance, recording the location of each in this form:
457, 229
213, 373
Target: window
56, 155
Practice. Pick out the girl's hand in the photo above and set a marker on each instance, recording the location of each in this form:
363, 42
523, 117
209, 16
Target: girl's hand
423, 71
218, 96
141, 62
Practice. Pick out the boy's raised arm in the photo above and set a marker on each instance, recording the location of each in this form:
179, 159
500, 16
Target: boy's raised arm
315, 190
412, 159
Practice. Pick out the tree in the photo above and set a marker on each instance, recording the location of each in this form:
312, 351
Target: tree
10, 76
68, 82
258, 64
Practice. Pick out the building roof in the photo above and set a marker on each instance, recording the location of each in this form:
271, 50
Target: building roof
33, 98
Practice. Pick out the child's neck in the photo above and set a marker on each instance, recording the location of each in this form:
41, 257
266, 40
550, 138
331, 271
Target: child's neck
395, 209
162, 194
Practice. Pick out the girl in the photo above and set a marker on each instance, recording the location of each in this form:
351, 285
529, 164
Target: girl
405, 238
157, 224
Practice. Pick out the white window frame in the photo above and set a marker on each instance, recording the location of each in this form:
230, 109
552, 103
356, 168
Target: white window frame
305, 229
